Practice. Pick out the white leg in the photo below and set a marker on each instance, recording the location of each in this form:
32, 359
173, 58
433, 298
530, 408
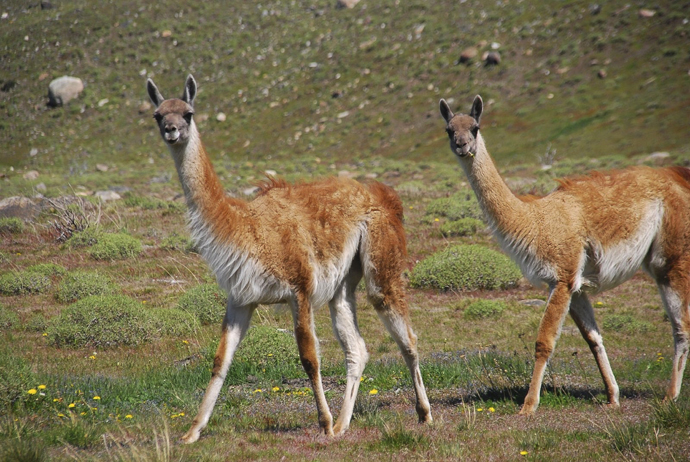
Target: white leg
235, 325
307, 344
679, 314
344, 318
582, 313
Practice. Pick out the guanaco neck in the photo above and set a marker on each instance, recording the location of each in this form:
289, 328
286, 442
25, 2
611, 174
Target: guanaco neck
202, 189
501, 207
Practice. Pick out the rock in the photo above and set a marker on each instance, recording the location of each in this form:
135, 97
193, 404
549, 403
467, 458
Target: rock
101, 167
45, 5
33, 152
103, 102
644, 13
343, 114
41, 187
270, 172
495, 45
106, 196
250, 191
594, 9
43, 76
602, 74
656, 157
533, 302
221, 117
340, 4
166, 34
8, 85
468, 54
145, 107
31, 175
64, 89
19, 207
492, 58
371, 176
344, 174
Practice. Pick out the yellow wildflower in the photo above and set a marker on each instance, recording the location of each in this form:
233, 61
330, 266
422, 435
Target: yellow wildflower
128, 416
479, 409
185, 342
436, 219
96, 398
258, 390
60, 414
181, 414
275, 388
41, 387
523, 453
32, 391
83, 413
45, 334
492, 409
92, 357
374, 391
71, 405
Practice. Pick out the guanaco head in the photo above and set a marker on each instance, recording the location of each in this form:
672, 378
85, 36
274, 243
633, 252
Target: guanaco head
463, 129
173, 116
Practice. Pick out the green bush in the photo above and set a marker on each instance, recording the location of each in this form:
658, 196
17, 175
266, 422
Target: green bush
460, 205
86, 238
115, 247
16, 377
79, 284
485, 309
36, 323
47, 269
465, 267
11, 225
625, 323
265, 345
8, 318
206, 302
461, 227
176, 242
22, 283
112, 320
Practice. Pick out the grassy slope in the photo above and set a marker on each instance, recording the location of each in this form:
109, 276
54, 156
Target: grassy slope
484, 363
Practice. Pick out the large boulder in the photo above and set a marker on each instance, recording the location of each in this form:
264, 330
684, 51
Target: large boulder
20, 207
64, 89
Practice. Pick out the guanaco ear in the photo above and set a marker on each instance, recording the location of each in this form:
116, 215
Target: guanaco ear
189, 90
446, 113
154, 94
477, 108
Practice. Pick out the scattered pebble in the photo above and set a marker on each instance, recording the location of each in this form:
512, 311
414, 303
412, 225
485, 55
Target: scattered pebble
221, 117
31, 175
103, 102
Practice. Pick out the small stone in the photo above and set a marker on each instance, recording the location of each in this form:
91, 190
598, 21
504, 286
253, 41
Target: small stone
656, 157
4, 16
166, 33
313, 65
644, 13
41, 187
492, 58
343, 114
106, 196
31, 175
20, 207
43, 76
594, 62
221, 117
64, 89
270, 172
595, 9
533, 302
602, 73
45, 5
101, 167
145, 107
103, 102
340, 4
33, 152
468, 54
495, 46
250, 191
246, 144
562, 70
344, 174
371, 176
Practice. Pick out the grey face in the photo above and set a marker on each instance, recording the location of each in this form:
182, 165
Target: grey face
463, 129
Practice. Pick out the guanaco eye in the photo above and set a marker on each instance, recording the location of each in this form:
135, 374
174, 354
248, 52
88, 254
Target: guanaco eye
188, 117
449, 131
158, 117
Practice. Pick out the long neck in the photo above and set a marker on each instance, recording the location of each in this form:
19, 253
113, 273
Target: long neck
203, 191
501, 207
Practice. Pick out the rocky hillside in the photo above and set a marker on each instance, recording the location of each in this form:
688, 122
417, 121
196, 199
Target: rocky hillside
287, 80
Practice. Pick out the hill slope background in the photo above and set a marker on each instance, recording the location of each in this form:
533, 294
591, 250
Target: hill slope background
299, 79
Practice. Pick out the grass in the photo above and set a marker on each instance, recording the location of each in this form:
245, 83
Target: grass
253, 64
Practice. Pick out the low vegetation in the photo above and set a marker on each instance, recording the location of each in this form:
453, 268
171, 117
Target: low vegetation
115, 247
206, 302
23, 283
11, 225
80, 284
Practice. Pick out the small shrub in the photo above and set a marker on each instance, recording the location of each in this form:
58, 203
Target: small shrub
466, 267
23, 450
109, 320
461, 205
206, 302
22, 283
115, 247
8, 318
79, 434
47, 269
626, 323
36, 323
485, 309
79, 284
672, 414
177, 242
461, 227
11, 225
16, 377
266, 345
86, 238
173, 321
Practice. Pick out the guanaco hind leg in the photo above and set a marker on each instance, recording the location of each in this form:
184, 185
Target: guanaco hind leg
235, 325
676, 305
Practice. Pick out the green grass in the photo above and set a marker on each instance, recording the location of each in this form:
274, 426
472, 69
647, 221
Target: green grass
80, 284
11, 225
206, 302
115, 247
22, 283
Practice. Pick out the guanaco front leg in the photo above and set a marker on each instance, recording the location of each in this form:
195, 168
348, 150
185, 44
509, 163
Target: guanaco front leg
308, 353
582, 313
549, 329
235, 325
